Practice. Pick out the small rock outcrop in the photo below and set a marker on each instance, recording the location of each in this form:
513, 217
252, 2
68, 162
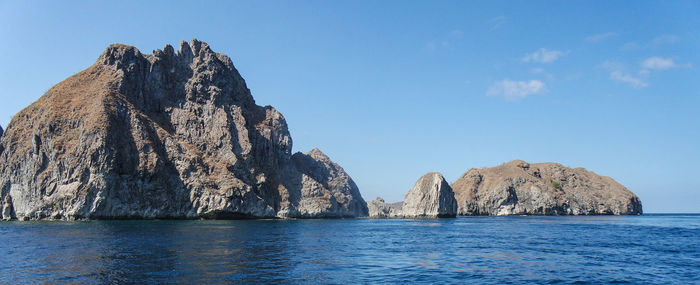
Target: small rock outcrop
520, 188
173, 134
430, 197
380, 209
1, 131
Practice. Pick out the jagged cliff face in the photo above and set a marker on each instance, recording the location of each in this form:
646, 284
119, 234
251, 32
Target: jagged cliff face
167, 135
520, 188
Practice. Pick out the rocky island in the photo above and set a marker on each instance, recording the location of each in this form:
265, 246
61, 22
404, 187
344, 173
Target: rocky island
178, 135
173, 134
520, 188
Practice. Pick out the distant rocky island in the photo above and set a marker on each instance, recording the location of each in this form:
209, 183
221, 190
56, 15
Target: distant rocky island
520, 188
514, 188
178, 135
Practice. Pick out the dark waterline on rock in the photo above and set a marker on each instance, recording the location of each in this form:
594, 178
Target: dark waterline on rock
599, 249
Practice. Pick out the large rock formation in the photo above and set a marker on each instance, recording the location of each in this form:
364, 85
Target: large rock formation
173, 134
430, 197
520, 188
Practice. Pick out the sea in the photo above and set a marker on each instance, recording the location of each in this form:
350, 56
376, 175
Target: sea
647, 249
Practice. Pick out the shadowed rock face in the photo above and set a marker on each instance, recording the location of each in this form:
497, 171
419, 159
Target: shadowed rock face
173, 134
430, 197
520, 188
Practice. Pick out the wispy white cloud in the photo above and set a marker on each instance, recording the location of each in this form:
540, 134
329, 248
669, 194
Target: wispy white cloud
617, 73
543, 55
435, 45
630, 46
515, 90
654, 43
542, 73
635, 82
665, 39
612, 65
445, 40
658, 63
537, 70
497, 22
600, 37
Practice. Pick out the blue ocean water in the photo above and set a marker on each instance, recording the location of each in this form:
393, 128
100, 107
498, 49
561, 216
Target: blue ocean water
656, 249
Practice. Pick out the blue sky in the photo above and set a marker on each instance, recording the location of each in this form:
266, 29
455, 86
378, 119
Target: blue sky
394, 89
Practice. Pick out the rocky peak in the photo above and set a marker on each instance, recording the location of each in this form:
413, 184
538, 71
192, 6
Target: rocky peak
194, 73
317, 164
120, 55
318, 154
520, 164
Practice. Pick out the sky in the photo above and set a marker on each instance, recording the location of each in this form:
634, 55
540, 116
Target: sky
391, 90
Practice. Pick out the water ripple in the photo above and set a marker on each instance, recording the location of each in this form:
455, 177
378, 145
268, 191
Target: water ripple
489, 250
